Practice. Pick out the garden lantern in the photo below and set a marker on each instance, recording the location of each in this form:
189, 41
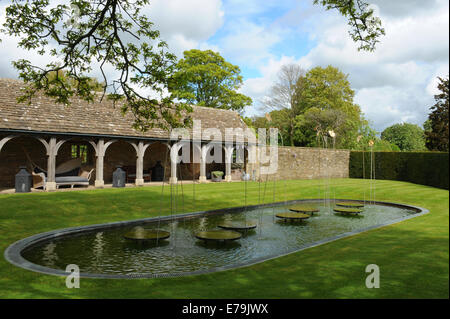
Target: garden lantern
119, 177
23, 181
158, 172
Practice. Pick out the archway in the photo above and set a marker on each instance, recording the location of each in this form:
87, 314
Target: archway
240, 163
157, 155
211, 163
19, 151
120, 153
77, 148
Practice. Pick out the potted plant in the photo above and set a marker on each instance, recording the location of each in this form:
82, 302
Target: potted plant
216, 176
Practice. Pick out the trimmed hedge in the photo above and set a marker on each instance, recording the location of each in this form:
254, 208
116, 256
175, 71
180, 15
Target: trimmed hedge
426, 168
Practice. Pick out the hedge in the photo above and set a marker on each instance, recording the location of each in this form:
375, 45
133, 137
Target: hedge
426, 168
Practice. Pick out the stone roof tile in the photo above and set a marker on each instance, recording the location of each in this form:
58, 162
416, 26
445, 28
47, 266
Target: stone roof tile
96, 118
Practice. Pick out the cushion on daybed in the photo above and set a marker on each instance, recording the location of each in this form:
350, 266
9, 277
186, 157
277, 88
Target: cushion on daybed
71, 179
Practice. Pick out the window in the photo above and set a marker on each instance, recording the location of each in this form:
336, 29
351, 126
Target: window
80, 151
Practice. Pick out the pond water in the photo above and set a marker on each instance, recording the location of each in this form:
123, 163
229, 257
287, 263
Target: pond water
108, 252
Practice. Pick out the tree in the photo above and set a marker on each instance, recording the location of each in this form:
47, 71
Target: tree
325, 101
365, 27
380, 145
101, 34
427, 126
282, 99
326, 88
437, 133
95, 85
314, 120
384, 146
319, 100
282, 120
408, 137
367, 135
205, 78
85, 37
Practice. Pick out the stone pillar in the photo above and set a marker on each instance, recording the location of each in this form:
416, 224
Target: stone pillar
253, 166
173, 164
100, 148
139, 171
228, 161
202, 177
52, 147
140, 152
99, 182
51, 167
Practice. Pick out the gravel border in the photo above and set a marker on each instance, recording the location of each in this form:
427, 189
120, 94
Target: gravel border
13, 253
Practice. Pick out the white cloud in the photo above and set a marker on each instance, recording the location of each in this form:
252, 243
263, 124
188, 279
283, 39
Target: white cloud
247, 8
423, 39
9, 52
249, 43
395, 82
400, 8
387, 105
441, 71
185, 25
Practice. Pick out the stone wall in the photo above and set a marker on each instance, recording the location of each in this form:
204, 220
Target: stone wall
312, 163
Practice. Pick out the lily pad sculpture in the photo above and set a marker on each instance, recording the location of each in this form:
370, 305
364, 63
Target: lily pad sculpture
244, 226
347, 210
292, 216
350, 204
304, 209
218, 235
141, 234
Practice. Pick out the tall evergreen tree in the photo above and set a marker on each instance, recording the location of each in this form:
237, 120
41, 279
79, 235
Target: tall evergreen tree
437, 137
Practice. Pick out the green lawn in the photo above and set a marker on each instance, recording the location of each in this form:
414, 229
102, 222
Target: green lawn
413, 255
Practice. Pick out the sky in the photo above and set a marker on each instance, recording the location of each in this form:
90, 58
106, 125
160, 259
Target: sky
394, 84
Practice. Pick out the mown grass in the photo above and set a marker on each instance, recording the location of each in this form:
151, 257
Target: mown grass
413, 255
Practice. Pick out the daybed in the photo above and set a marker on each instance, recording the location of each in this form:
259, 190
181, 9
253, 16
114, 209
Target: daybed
40, 179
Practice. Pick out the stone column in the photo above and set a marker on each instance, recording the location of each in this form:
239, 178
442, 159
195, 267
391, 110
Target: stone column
140, 152
139, 171
228, 161
52, 147
99, 182
100, 149
253, 161
173, 164
202, 177
51, 166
